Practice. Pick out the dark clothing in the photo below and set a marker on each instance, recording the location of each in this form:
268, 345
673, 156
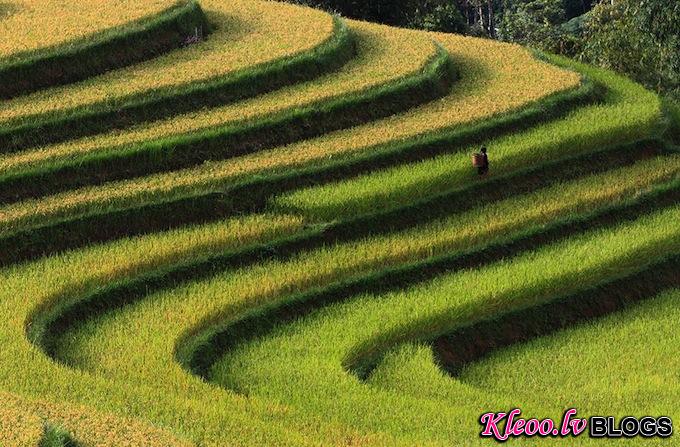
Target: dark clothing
484, 168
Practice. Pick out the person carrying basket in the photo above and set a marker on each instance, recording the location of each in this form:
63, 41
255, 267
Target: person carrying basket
481, 162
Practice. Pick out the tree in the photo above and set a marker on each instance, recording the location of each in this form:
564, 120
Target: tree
575, 8
640, 38
437, 15
534, 23
479, 15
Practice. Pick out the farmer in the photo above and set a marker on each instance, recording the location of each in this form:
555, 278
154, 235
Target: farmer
483, 168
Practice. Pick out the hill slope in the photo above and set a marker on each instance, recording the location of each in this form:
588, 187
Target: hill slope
270, 234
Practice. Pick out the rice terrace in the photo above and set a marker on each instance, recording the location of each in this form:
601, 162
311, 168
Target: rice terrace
257, 223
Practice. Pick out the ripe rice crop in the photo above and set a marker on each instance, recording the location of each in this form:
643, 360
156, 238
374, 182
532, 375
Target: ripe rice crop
80, 264
26, 422
18, 425
628, 113
104, 346
312, 286
95, 267
481, 93
384, 55
308, 359
89, 427
29, 25
247, 33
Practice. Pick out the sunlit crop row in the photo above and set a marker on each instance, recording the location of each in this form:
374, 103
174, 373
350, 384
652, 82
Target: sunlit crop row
28, 422
183, 409
105, 346
646, 333
308, 359
627, 113
247, 33
383, 55
113, 370
27, 25
54, 278
482, 92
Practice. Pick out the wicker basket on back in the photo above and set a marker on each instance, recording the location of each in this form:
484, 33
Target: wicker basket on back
478, 160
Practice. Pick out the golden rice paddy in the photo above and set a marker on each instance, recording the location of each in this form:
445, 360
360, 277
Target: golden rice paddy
29, 25
247, 33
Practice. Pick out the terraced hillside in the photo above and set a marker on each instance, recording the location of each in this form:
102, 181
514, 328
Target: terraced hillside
252, 223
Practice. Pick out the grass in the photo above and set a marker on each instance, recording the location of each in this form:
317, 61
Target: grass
622, 380
104, 346
274, 237
56, 437
480, 94
77, 425
31, 24
38, 423
417, 73
307, 359
18, 426
628, 113
604, 381
458, 350
227, 66
75, 60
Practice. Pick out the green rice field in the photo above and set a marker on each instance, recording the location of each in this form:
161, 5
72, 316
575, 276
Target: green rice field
253, 223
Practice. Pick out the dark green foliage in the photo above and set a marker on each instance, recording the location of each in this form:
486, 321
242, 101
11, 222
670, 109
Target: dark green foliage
56, 437
638, 38
575, 8
435, 15
535, 23
672, 108
576, 26
392, 12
